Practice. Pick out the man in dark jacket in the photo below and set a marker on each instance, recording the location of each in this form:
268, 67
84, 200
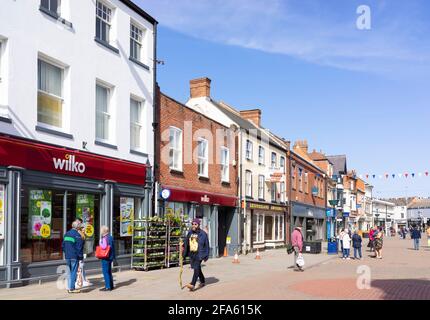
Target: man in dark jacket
356, 243
197, 247
416, 236
73, 248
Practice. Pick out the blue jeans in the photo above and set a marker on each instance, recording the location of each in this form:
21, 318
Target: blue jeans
73, 265
357, 250
107, 274
346, 253
416, 244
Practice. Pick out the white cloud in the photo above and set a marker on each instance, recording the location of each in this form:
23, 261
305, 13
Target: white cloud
314, 31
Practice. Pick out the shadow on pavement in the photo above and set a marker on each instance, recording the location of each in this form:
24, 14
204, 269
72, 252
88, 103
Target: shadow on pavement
125, 283
403, 289
211, 280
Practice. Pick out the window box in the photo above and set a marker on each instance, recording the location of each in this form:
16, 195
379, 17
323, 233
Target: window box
138, 153
55, 16
226, 183
176, 171
4, 119
205, 178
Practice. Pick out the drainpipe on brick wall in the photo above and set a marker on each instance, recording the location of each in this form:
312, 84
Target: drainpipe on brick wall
155, 127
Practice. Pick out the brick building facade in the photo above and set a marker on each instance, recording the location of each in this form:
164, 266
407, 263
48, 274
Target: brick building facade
198, 168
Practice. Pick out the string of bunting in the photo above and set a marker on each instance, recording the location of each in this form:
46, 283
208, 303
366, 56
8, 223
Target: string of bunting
394, 176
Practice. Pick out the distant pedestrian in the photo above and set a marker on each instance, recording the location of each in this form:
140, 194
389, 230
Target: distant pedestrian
197, 247
372, 238
428, 236
340, 237
379, 243
416, 237
106, 243
297, 243
356, 243
73, 248
346, 240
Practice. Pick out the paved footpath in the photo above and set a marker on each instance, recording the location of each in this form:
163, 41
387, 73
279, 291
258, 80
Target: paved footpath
403, 273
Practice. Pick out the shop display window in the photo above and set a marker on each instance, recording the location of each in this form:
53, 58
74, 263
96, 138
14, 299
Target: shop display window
45, 212
125, 209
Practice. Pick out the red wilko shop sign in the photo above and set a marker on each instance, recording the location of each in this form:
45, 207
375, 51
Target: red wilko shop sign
40, 157
182, 195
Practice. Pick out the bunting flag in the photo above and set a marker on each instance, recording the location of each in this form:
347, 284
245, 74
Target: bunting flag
405, 175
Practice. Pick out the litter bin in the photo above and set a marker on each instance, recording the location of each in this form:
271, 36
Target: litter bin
312, 247
332, 247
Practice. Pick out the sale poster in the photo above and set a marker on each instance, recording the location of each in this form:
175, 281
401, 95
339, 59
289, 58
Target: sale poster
126, 216
85, 211
2, 210
40, 214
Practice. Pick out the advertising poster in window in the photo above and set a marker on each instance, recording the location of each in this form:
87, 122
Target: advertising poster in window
2, 210
126, 216
85, 211
40, 214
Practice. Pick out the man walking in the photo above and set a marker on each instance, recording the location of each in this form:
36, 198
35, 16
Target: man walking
73, 248
197, 247
416, 236
297, 243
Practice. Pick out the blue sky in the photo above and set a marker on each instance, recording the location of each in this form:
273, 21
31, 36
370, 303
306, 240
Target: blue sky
363, 93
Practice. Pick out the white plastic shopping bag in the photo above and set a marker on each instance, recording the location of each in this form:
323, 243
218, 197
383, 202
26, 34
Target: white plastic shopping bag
300, 260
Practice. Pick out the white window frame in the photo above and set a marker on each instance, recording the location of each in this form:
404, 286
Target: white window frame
261, 182
176, 152
51, 95
108, 11
283, 190
249, 150
248, 183
261, 155
273, 192
260, 228
137, 35
139, 124
225, 167
273, 160
282, 164
107, 114
306, 182
204, 158
294, 177
300, 179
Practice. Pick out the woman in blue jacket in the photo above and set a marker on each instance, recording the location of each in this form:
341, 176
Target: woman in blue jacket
107, 240
197, 247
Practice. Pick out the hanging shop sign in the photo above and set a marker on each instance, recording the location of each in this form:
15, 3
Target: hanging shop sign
126, 216
165, 194
85, 211
40, 214
43, 157
2, 210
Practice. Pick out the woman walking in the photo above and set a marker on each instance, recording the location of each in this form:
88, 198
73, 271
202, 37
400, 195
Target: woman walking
379, 242
107, 243
82, 278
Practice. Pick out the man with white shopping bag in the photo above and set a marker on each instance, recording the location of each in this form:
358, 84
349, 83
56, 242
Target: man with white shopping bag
297, 243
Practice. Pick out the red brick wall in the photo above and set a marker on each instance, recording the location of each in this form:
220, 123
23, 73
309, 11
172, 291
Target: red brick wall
172, 113
303, 197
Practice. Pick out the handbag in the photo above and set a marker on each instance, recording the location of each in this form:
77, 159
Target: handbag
102, 253
290, 248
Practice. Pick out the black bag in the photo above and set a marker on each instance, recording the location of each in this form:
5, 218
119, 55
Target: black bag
290, 248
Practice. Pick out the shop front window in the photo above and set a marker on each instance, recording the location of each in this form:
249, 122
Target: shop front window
276, 227
125, 209
41, 225
44, 215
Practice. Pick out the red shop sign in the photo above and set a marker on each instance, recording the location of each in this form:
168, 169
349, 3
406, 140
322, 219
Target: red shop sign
182, 195
41, 157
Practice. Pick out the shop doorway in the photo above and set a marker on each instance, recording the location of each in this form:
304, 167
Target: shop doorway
225, 219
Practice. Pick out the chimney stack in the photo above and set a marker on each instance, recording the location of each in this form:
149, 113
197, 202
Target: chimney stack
253, 115
200, 88
301, 144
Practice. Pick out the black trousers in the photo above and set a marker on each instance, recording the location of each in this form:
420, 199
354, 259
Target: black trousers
196, 264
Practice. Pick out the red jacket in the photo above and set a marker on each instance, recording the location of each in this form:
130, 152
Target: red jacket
297, 239
371, 233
